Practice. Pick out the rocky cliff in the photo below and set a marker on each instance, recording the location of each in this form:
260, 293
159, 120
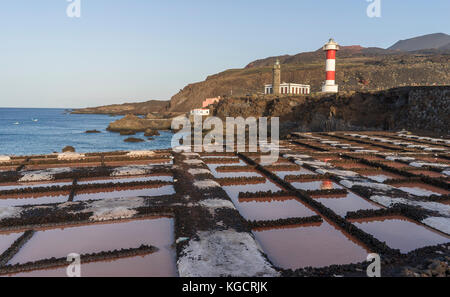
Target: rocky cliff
425, 109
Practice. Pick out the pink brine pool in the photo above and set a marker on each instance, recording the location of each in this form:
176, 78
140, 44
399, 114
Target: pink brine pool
314, 245
95, 238
401, 233
316, 185
348, 203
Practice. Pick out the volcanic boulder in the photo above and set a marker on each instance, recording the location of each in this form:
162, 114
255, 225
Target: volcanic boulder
133, 139
137, 124
68, 149
150, 132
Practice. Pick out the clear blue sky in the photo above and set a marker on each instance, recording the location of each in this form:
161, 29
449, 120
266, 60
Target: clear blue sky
137, 50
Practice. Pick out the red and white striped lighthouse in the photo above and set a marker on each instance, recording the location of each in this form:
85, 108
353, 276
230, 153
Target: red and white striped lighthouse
330, 85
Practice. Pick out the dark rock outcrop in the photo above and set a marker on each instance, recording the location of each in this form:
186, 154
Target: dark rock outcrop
68, 149
425, 109
150, 132
133, 139
126, 132
137, 124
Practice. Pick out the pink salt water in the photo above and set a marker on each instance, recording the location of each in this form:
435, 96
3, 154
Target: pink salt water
233, 191
401, 233
218, 157
434, 160
215, 161
350, 165
95, 238
283, 174
8, 168
428, 173
272, 209
139, 162
125, 179
380, 176
34, 199
7, 239
125, 192
421, 189
350, 202
327, 158
160, 264
62, 165
372, 158
316, 185
266, 209
315, 245
212, 168
398, 165
294, 168
12, 186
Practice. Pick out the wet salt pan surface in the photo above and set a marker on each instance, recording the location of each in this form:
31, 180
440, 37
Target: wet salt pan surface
418, 191
6, 239
124, 193
216, 174
283, 174
316, 185
233, 191
382, 177
266, 209
95, 238
343, 205
220, 157
422, 189
34, 185
153, 265
315, 245
49, 198
126, 180
272, 209
400, 233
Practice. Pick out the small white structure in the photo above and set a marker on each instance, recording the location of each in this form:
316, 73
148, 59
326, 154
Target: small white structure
200, 112
289, 88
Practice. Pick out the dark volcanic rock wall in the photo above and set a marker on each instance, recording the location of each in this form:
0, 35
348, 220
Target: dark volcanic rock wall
429, 109
414, 108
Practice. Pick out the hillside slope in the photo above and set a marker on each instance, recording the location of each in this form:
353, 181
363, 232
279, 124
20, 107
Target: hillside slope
430, 41
358, 69
141, 108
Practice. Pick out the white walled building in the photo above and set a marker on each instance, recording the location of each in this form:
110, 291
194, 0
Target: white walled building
289, 88
200, 112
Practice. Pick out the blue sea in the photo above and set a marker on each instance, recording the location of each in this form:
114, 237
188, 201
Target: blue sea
31, 131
